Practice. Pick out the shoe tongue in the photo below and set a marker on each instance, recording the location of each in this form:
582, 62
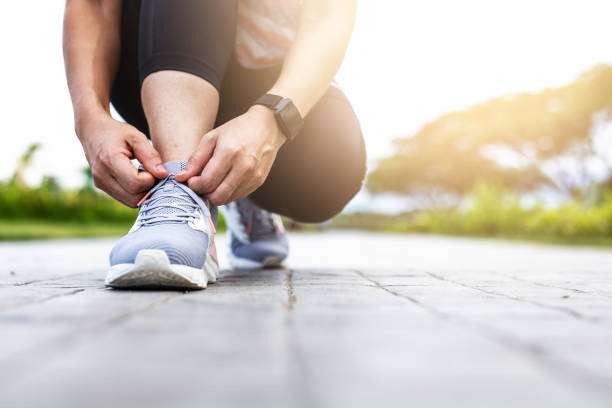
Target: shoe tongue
170, 198
167, 195
262, 222
168, 187
175, 167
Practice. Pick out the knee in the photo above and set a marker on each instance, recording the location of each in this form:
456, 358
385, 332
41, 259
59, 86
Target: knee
326, 208
328, 195
318, 173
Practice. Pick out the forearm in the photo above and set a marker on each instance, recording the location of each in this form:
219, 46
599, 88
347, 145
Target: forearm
91, 54
316, 54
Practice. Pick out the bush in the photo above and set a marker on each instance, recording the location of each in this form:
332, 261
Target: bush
49, 203
44, 202
495, 211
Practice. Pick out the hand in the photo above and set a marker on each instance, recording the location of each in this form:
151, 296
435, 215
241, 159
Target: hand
109, 146
234, 159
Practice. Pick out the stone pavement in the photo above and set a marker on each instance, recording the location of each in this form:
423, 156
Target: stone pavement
356, 320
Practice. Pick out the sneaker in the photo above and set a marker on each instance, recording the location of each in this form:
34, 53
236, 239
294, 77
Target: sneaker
171, 244
257, 237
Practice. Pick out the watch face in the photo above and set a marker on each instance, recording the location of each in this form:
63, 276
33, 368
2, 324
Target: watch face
289, 117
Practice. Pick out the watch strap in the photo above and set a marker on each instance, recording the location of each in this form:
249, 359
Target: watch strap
286, 114
269, 100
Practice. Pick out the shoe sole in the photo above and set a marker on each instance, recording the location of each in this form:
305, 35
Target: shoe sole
244, 263
152, 270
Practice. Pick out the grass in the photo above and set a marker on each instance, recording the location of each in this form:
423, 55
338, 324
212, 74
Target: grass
36, 229
602, 242
31, 229
47, 212
24, 230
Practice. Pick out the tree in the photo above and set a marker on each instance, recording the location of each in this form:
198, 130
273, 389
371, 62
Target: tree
452, 153
23, 163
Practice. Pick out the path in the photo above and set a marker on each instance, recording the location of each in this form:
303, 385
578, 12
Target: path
359, 320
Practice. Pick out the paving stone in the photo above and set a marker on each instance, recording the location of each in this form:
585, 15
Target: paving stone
355, 319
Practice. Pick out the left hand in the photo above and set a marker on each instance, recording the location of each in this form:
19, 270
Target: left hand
234, 159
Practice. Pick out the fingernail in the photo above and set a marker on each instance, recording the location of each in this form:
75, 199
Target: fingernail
160, 168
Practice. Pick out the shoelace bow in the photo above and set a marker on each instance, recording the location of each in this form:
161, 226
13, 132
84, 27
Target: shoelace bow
183, 202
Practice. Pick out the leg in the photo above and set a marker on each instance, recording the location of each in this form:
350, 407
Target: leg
176, 128
184, 48
180, 108
318, 173
167, 86
311, 180
171, 90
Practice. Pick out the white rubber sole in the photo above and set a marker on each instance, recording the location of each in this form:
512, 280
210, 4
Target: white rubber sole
152, 269
248, 264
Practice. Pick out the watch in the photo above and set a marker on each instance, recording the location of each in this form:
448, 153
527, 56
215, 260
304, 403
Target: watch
286, 114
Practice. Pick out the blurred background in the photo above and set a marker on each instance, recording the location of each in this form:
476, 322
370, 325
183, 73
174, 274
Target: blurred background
480, 118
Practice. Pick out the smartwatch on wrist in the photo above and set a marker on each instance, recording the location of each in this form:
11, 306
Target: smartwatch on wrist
286, 114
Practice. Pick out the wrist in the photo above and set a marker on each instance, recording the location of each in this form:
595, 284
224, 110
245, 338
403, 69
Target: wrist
287, 116
85, 118
268, 116
287, 92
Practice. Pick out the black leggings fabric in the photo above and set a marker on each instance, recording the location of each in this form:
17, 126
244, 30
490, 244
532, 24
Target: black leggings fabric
315, 175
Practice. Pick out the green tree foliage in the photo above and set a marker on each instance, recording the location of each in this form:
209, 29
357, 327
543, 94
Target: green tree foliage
447, 154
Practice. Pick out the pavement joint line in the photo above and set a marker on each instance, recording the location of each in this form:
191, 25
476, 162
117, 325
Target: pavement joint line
40, 300
303, 375
291, 298
563, 370
547, 285
64, 343
378, 285
27, 283
505, 337
566, 310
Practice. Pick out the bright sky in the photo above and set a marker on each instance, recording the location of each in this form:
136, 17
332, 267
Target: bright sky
408, 62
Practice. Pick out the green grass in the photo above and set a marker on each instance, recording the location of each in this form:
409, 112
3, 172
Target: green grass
540, 239
494, 212
37, 229
23, 230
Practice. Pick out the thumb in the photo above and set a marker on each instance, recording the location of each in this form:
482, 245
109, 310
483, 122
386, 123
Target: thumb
199, 158
148, 156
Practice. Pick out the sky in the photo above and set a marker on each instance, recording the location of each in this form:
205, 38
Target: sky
408, 63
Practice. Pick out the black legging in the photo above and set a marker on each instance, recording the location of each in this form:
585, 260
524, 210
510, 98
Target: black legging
315, 175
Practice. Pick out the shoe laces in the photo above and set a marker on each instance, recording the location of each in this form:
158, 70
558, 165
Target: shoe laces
169, 201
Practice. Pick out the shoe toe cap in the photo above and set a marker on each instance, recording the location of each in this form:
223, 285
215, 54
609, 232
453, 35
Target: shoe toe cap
262, 249
183, 246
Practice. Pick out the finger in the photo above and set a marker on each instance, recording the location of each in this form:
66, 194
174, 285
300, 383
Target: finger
213, 174
148, 156
199, 159
242, 191
253, 180
128, 176
224, 191
112, 187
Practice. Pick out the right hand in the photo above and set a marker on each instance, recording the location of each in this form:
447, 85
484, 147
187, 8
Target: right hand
109, 146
